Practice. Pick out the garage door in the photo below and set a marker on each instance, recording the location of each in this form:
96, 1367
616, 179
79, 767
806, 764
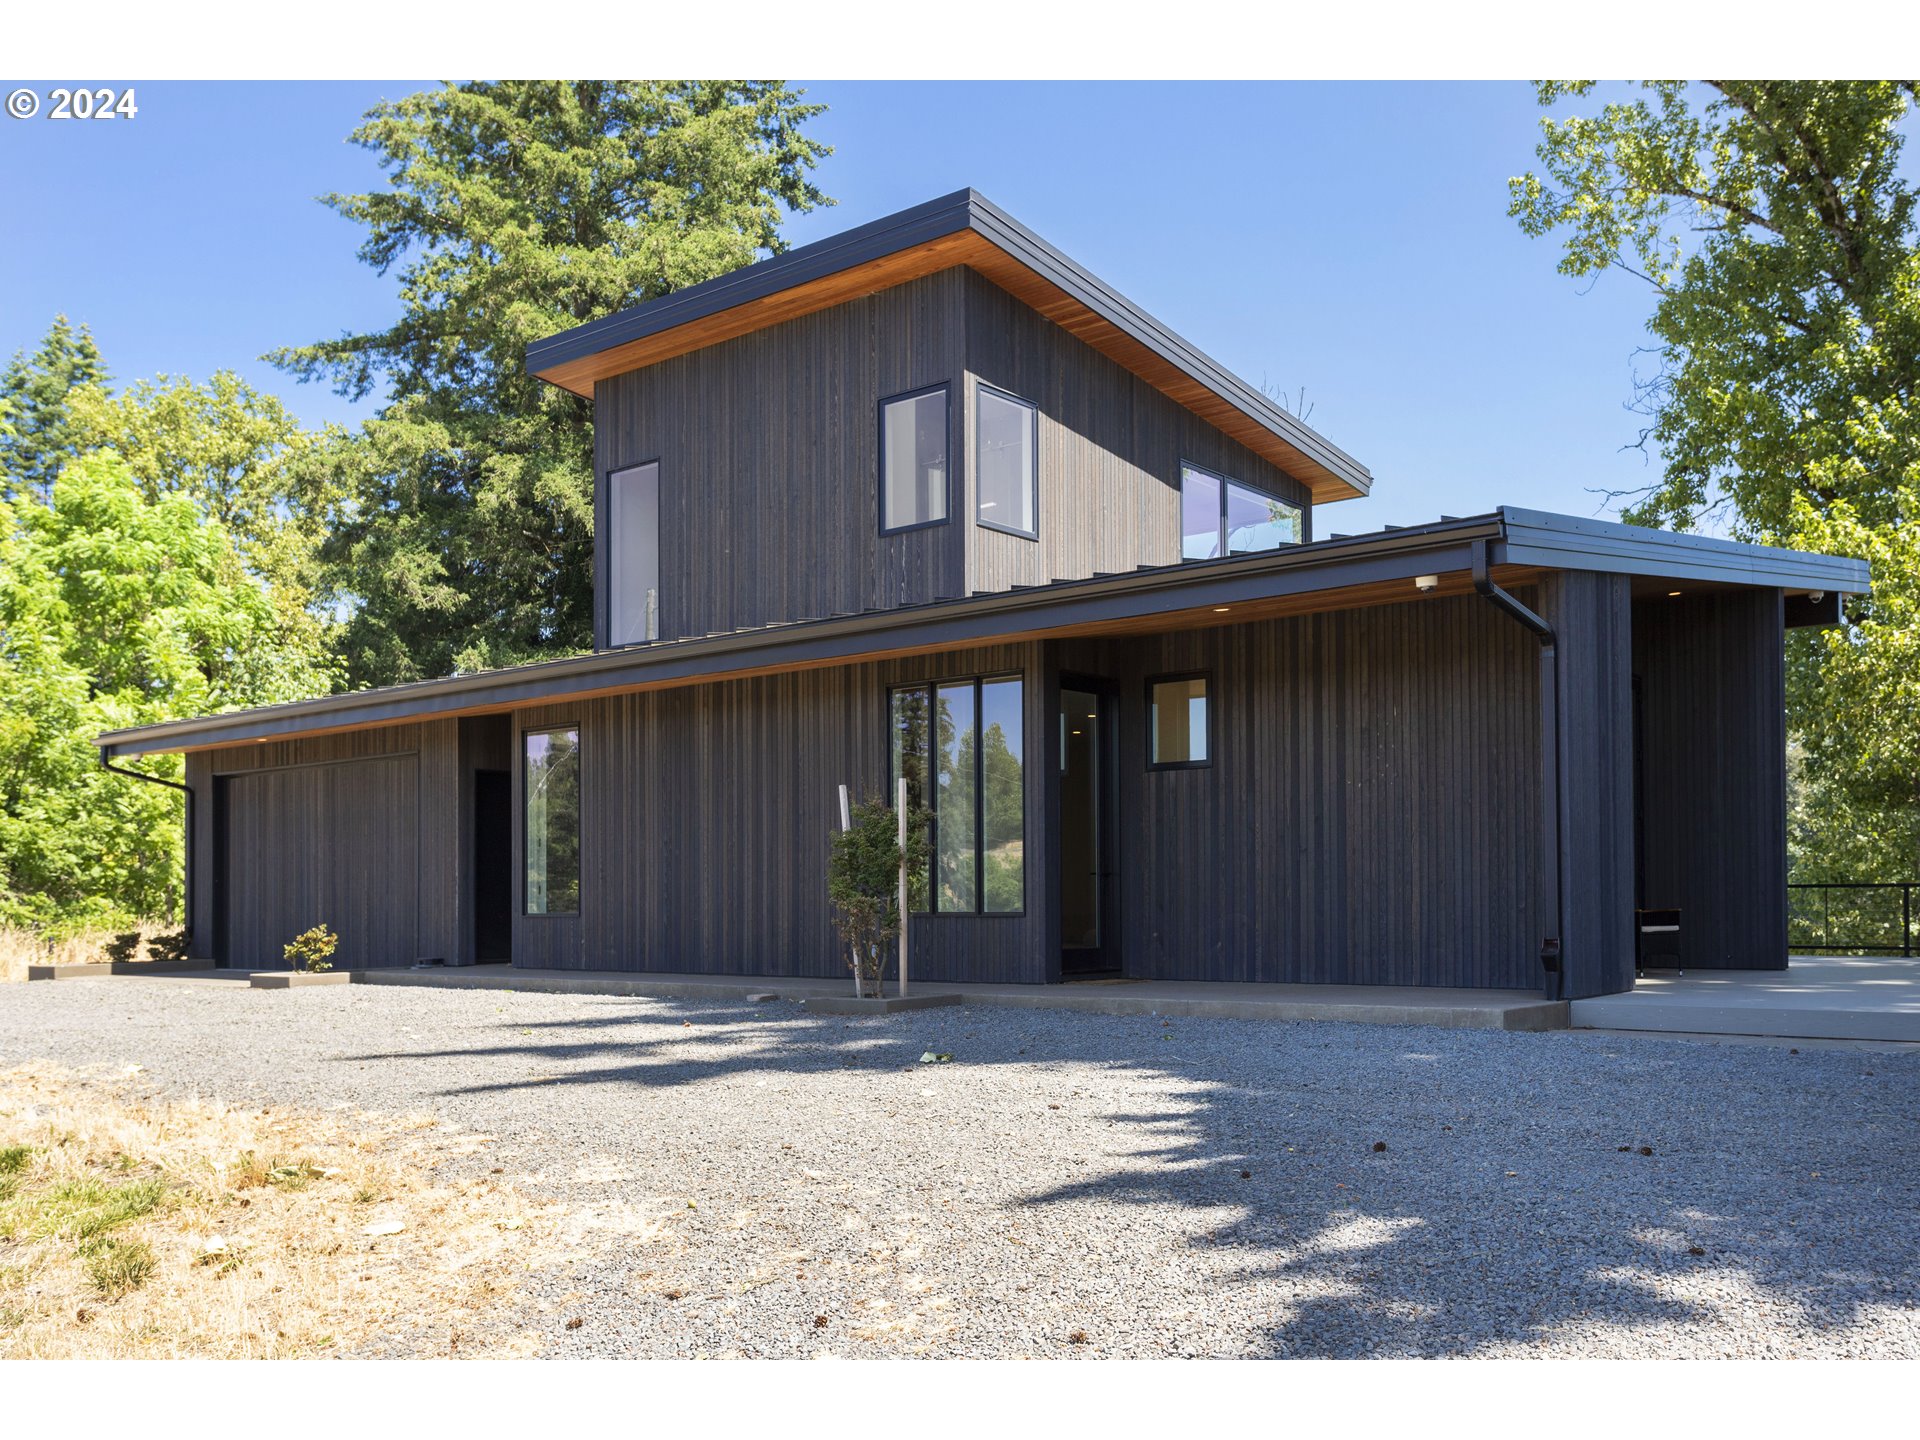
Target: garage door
334, 845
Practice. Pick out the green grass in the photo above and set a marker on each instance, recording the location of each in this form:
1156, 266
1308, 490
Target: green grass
118, 1267
85, 1211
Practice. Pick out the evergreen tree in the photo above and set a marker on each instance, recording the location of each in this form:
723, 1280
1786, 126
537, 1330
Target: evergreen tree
461, 532
35, 394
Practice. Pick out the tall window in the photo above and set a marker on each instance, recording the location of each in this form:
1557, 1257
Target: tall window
913, 459
633, 554
1006, 463
1179, 727
961, 744
552, 821
1223, 517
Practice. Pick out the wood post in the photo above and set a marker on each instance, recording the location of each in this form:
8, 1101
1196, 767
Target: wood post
901, 804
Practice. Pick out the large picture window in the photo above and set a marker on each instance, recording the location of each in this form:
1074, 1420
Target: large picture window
552, 820
633, 554
1006, 463
1219, 516
913, 459
961, 746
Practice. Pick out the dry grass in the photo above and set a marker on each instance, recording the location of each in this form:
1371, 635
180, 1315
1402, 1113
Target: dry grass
20, 948
138, 1227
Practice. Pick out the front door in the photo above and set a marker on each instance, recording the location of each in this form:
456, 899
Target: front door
1087, 832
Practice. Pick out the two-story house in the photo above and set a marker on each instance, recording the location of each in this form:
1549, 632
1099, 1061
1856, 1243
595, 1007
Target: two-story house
927, 499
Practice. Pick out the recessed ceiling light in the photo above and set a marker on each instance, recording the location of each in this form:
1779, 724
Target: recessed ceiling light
1221, 609
1672, 593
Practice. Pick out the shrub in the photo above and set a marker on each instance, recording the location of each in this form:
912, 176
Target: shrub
863, 882
313, 949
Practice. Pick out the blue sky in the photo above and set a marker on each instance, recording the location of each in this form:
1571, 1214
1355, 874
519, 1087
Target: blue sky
1349, 238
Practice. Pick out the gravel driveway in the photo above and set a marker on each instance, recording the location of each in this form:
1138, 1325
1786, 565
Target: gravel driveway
754, 1180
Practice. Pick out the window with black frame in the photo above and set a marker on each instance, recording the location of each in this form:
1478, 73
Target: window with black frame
1219, 516
961, 747
913, 459
1006, 462
551, 776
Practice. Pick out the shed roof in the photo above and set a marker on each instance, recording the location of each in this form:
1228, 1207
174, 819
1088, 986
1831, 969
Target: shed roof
964, 228
1340, 572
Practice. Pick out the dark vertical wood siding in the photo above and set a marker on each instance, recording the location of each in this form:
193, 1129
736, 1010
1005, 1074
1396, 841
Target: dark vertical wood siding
324, 844
1713, 747
357, 830
1111, 446
769, 463
707, 812
1371, 813
1592, 617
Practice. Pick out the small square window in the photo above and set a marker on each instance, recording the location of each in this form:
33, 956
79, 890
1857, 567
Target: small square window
1179, 723
913, 460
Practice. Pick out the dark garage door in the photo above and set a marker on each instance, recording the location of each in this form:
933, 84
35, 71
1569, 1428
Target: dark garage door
334, 845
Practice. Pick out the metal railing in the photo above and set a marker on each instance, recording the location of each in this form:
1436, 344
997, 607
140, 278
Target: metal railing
1851, 919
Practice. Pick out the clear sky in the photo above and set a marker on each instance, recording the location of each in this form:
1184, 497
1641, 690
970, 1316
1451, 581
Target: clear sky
1348, 238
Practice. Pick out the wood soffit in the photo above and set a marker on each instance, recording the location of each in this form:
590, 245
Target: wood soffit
1012, 274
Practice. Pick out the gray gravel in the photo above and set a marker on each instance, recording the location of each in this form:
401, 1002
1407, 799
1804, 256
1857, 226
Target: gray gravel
754, 1180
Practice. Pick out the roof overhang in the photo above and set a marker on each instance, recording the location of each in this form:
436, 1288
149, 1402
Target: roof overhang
1334, 574
960, 229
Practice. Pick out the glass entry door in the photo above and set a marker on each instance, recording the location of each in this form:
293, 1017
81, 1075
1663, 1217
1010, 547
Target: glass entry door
1086, 830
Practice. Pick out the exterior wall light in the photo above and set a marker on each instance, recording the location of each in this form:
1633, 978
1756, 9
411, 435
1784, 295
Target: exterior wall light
1426, 583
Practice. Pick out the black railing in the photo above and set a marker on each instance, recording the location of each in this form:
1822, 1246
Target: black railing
1851, 919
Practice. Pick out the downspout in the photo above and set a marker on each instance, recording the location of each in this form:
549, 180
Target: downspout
1550, 819
186, 850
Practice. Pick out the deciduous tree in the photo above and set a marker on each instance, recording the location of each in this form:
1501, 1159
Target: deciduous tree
1775, 225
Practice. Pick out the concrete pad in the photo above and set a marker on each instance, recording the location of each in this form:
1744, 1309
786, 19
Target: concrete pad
93, 969
298, 979
875, 1005
1520, 1010
1826, 997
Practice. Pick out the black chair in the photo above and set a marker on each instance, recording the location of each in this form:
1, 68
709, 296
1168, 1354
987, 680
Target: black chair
1656, 934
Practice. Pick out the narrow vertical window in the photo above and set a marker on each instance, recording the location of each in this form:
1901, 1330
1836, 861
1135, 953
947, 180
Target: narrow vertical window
1199, 514
913, 459
1003, 797
1178, 722
961, 747
1006, 449
956, 748
552, 821
633, 554
909, 714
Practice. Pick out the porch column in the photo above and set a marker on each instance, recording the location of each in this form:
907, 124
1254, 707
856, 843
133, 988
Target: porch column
1592, 616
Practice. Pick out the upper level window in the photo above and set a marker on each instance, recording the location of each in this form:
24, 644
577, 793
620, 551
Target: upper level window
551, 774
633, 554
913, 459
1006, 449
1223, 517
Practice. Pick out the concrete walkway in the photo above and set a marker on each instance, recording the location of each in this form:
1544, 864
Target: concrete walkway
1369, 1004
1828, 997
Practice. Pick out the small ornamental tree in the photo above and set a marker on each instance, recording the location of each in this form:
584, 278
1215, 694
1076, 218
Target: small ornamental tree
863, 882
312, 950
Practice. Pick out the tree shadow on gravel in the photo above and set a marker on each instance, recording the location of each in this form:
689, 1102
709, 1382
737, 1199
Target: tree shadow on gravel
1360, 1190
